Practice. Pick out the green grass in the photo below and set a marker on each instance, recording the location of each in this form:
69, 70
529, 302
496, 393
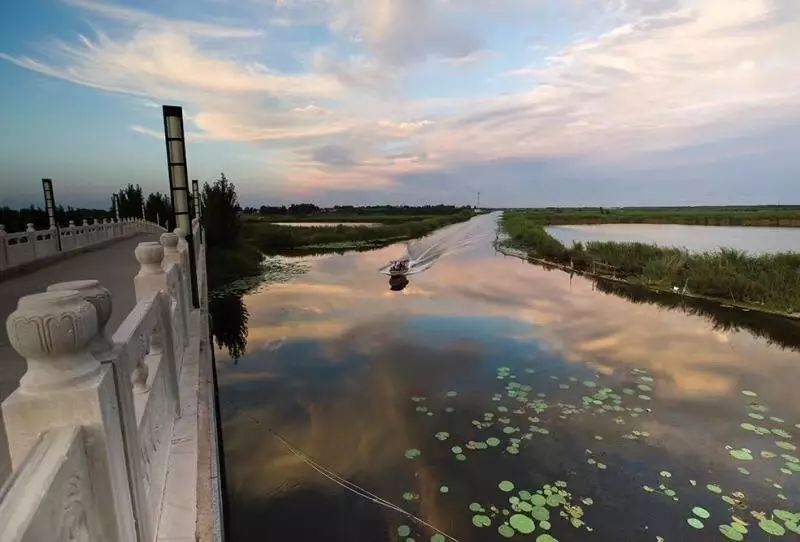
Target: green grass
272, 239
767, 215
771, 281
328, 218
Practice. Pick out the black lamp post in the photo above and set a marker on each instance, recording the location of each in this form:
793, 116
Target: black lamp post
196, 197
50, 207
179, 184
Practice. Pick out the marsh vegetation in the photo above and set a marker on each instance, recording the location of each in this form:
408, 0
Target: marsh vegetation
769, 281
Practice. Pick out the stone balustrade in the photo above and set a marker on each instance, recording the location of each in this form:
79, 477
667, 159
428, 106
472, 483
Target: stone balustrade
104, 426
17, 249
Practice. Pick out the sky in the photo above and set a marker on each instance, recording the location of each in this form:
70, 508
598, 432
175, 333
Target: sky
530, 102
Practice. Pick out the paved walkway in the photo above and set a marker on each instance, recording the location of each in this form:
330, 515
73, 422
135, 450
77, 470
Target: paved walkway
114, 266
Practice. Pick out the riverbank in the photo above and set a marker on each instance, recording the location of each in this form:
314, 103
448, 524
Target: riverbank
272, 239
754, 216
767, 282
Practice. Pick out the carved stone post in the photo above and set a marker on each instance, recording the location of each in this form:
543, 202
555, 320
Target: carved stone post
93, 292
152, 279
65, 385
172, 256
31, 231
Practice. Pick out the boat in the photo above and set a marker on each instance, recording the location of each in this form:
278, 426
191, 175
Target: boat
398, 268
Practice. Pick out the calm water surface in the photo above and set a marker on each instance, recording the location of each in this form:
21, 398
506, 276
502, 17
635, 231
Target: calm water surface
614, 417
694, 238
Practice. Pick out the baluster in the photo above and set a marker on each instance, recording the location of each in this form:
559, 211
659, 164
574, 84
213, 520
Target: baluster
31, 231
93, 292
65, 385
173, 256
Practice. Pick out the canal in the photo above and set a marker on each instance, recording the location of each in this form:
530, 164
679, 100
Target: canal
493, 399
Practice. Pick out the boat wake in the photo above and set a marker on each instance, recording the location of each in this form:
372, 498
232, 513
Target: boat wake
422, 254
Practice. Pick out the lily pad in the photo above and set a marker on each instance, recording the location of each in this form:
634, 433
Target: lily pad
696, 523
539, 513
404, 530
412, 453
741, 454
505, 531
731, 533
772, 527
438, 537
701, 512
506, 486
522, 523
480, 520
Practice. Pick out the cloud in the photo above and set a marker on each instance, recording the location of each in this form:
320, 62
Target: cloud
136, 17
334, 155
381, 93
399, 32
168, 65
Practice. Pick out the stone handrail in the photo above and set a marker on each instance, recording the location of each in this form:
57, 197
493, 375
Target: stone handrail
20, 248
100, 422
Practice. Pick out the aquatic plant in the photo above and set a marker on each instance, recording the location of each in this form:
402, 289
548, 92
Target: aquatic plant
769, 280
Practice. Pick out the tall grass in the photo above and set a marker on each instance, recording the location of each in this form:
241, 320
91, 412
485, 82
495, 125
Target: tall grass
270, 238
770, 280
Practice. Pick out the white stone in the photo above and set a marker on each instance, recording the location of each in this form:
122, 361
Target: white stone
93, 292
52, 331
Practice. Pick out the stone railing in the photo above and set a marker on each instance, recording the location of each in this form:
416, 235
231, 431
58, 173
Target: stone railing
103, 429
17, 249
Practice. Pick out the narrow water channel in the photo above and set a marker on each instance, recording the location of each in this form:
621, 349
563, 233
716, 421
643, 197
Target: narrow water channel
496, 399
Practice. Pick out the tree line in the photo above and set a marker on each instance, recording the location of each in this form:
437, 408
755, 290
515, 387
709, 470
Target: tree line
309, 209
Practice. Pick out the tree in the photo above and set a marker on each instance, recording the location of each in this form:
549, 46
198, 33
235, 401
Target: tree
158, 207
220, 210
130, 201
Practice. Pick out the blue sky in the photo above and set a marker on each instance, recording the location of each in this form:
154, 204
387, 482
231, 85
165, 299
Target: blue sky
532, 102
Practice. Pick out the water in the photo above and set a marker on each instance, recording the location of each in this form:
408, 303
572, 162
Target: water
327, 224
694, 238
359, 377
422, 254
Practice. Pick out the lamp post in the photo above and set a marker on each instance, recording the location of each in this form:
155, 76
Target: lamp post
115, 198
179, 183
50, 207
196, 197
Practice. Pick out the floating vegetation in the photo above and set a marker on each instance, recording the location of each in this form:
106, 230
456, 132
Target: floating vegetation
532, 510
519, 414
696, 523
412, 453
506, 486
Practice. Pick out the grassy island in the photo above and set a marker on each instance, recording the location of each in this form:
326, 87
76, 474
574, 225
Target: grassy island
770, 282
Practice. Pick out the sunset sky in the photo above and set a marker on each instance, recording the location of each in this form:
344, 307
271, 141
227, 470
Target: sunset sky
532, 102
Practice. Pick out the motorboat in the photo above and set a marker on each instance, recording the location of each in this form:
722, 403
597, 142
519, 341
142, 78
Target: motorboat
398, 268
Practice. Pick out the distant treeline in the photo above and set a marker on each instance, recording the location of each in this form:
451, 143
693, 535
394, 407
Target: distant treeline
758, 215
157, 206
338, 211
16, 220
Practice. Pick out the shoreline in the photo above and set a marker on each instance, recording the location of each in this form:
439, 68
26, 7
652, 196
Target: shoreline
516, 253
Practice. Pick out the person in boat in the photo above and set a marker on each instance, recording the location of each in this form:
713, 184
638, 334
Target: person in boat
399, 266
